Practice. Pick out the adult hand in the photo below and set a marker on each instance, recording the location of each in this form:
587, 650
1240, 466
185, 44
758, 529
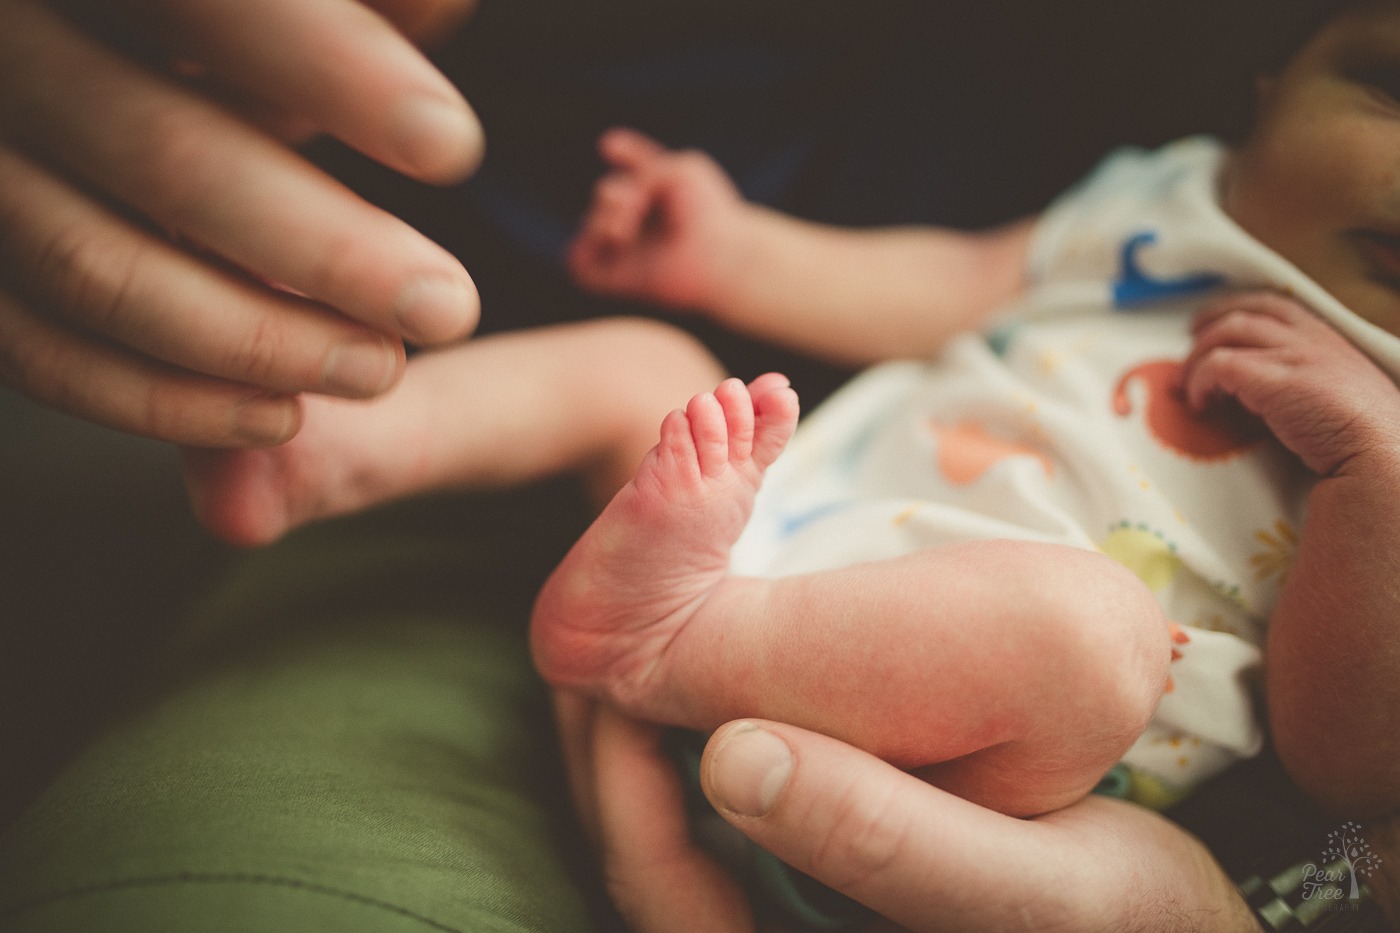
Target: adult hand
628, 796
140, 218
931, 861
921, 857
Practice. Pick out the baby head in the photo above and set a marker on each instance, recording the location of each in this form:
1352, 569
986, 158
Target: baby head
1317, 178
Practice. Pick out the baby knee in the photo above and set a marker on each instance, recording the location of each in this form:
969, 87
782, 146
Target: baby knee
661, 353
1137, 644
1120, 642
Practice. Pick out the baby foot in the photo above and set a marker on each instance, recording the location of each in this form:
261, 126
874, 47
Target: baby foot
337, 463
237, 494
607, 613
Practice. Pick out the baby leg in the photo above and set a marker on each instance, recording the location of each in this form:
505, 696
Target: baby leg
499, 410
1014, 674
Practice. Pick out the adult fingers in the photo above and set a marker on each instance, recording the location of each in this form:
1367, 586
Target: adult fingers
629, 800
194, 169
99, 274
658, 879
95, 381
425, 21
573, 718
339, 63
931, 861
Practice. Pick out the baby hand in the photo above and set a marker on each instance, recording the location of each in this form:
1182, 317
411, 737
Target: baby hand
661, 225
1322, 397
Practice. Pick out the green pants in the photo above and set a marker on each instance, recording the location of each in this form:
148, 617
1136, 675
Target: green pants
350, 738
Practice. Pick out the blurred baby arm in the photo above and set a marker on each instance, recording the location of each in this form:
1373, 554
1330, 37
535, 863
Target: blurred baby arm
671, 228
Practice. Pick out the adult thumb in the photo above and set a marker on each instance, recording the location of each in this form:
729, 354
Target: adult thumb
913, 853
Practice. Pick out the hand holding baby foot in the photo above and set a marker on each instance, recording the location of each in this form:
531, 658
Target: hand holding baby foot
661, 225
661, 546
142, 160
1322, 397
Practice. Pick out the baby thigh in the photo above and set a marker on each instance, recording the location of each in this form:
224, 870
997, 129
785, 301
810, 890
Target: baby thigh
1065, 661
1012, 673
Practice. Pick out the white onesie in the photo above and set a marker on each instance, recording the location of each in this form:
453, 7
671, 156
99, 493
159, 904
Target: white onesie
1061, 425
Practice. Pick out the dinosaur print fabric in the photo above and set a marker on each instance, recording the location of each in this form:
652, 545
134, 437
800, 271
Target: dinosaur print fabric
1063, 423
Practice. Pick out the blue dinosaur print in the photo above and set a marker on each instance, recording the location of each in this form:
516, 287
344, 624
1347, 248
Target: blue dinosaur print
1136, 288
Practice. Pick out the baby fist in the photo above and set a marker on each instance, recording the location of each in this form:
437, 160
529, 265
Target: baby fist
1318, 393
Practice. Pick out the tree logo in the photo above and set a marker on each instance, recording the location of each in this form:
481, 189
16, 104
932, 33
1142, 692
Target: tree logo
1349, 859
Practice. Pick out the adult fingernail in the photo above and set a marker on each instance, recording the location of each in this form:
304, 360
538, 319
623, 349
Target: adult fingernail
439, 140
436, 309
749, 769
360, 370
265, 420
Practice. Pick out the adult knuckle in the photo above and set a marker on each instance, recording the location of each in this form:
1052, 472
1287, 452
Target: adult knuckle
35, 367
84, 274
164, 408
59, 266
337, 257
182, 159
258, 355
47, 367
869, 832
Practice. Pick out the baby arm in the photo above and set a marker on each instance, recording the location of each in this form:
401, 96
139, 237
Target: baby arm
1334, 639
671, 228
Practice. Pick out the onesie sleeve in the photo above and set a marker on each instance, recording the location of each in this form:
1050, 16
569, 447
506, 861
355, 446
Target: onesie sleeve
1119, 177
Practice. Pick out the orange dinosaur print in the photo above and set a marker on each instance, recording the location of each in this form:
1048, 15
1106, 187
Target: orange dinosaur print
966, 451
1213, 435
